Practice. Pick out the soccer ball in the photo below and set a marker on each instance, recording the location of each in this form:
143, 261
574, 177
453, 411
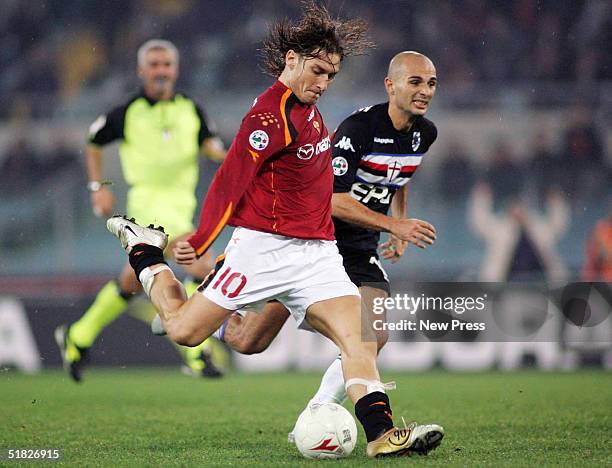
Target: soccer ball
325, 431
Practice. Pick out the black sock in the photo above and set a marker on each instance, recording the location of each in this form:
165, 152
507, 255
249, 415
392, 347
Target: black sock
144, 255
374, 414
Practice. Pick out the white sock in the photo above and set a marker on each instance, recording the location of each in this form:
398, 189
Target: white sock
148, 274
332, 388
220, 332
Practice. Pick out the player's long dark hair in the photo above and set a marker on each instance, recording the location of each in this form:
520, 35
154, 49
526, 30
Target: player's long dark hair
316, 32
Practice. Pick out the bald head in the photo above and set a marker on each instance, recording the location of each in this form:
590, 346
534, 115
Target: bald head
411, 85
404, 62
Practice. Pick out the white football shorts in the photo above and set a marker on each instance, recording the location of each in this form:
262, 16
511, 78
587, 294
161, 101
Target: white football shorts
259, 266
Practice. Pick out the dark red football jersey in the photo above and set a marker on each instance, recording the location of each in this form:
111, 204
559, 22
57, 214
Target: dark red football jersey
277, 176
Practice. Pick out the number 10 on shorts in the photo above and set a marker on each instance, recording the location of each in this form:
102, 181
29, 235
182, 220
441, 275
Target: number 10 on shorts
231, 283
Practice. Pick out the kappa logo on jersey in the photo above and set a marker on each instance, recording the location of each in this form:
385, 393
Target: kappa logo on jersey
340, 166
383, 141
416, 140
345, 144
305, 152
259, 139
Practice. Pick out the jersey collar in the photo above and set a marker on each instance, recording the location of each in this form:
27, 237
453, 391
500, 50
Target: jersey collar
282, 88
152, 101
389, 124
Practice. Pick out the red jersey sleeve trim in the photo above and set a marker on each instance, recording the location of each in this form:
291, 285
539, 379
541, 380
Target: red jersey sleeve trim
216, 231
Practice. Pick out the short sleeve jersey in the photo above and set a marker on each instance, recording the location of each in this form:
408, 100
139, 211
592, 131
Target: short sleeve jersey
277, 176
371, 160
160, 140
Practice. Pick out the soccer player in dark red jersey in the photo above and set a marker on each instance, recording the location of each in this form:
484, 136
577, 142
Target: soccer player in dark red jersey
275, 187
375, 152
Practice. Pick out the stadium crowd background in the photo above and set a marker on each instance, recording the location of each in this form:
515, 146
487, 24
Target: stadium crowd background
524, 104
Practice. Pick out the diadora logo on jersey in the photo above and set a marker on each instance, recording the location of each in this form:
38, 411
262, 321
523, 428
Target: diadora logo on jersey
316, 126
259, 139
345, 144
311, 116
364, 109
254, 102
383, 141
416, 140
305, 152
340, 166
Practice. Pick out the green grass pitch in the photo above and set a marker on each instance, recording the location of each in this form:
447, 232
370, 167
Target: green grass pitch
158, 417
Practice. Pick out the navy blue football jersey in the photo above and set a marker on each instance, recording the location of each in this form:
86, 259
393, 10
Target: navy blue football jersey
371, 160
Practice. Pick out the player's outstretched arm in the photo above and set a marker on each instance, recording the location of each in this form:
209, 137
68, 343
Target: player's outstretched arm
393, 249
346, 208
415, 231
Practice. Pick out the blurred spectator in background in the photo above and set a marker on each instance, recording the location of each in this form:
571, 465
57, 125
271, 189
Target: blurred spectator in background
520, 241
62, 158
544, 165
504, 174
456, 175
61, 60
20, 169
80, 59
598, 259
584, 170
473, 40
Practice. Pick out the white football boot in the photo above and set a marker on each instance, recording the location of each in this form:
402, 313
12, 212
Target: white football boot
131, 234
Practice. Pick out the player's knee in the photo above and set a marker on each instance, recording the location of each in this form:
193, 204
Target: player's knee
182, 335
248, 345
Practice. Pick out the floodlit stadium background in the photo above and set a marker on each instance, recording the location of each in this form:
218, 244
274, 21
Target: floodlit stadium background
524, 103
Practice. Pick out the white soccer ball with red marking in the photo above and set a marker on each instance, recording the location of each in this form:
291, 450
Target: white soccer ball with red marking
325, 431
